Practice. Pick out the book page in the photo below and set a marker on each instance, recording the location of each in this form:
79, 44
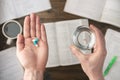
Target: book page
64, 30
113, 49
87, 8
6, 10
10, 68
53, 59
11, 9
111, 13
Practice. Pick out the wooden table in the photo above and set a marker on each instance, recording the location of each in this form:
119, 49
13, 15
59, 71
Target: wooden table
74, 72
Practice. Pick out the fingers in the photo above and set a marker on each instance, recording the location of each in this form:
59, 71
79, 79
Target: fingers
99, 37
99, 47
77, 52
33, 25
33, 28
20, 42
38, 27
26, 30
43, 33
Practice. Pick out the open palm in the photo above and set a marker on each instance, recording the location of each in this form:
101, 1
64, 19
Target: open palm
30, 56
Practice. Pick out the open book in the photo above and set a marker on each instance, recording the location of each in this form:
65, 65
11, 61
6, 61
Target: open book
107, 11
11, 9
59, 35
113, 49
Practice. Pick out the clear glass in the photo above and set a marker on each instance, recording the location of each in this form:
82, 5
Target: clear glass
83, 38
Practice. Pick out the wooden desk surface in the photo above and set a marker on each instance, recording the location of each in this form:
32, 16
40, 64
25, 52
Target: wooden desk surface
57, 14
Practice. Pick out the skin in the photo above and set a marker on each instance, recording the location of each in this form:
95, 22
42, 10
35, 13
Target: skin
34, 59
92, 63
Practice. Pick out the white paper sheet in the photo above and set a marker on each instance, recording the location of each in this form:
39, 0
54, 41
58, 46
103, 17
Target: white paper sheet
10, 68
53, 58
113, 49
11, 9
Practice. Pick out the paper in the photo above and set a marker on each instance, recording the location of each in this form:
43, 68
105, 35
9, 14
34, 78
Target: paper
11, 9
53, 59
86, 8
10, 68
111, 12
113, 49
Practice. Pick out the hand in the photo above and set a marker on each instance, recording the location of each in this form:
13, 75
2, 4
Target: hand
32, 58
92, 64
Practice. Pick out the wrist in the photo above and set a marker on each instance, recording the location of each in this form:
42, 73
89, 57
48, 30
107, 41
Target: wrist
32, 74
96, 77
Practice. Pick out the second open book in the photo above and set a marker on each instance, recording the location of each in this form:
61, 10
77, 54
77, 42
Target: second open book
107, 11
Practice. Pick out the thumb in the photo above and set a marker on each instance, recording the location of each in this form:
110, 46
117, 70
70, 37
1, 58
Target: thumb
77, 52
20, 42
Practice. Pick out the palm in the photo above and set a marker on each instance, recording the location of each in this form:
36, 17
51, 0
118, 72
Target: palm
31, 56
